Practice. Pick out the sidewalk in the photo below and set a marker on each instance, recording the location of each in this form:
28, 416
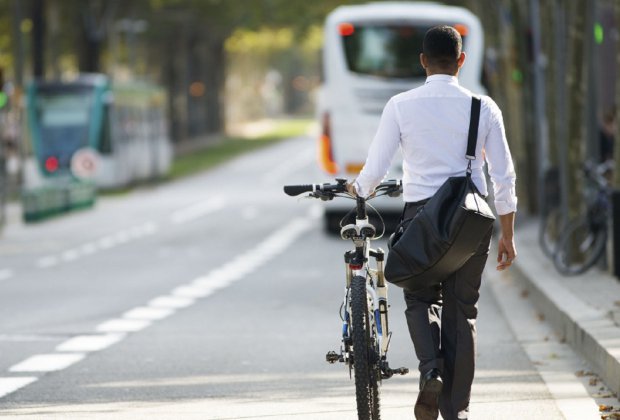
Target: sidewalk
584, 310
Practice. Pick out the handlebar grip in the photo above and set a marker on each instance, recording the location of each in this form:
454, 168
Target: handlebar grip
293, 190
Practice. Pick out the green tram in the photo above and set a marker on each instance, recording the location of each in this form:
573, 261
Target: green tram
89, 134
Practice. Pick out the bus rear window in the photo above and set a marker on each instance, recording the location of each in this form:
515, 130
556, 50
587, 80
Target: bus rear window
390, 51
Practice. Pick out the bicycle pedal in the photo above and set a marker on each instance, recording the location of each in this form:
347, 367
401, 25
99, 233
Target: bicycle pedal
332, 357
401, 371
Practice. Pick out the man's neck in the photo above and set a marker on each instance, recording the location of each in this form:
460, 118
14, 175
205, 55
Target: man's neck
434, 73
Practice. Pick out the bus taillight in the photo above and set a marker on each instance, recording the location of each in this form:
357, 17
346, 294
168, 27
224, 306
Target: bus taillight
461, 29
326, 155
51, 164
346, 29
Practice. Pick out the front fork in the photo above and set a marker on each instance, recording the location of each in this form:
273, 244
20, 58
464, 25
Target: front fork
377, 293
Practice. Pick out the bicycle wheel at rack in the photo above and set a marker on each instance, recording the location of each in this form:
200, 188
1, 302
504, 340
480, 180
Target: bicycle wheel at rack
580, 247
550, 231
365, 354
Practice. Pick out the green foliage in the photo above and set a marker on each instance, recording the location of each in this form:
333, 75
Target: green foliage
231, 147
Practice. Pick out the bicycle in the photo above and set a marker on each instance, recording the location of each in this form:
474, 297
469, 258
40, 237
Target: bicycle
364, 311
583, 240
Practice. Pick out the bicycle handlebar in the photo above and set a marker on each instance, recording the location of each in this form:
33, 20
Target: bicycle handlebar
390, 187
294, 190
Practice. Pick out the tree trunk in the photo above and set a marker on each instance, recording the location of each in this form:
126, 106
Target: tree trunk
214, 77
576, 88
518, 133
89, 50
37, 15
617, 134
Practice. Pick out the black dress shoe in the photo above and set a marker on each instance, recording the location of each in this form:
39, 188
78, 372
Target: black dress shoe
427, 404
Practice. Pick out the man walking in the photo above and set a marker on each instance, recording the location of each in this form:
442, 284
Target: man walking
430, 124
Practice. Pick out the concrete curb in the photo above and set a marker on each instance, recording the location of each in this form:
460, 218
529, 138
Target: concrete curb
587, 329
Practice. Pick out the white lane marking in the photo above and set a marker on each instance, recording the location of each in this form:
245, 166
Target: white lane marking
123, 325
148, 313
6, 274
70, 255
249, 213
289, 166
121, 237
183, 296
47, 362
193, 292
101, 244
197, 210
88, 249
9, 385
149, 228
90, 343
106, 242
171, 302
47, 262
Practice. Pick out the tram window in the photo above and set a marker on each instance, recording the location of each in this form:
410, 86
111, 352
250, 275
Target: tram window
64, 121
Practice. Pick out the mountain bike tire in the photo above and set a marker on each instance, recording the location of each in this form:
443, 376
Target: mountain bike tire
364, 355
579, 247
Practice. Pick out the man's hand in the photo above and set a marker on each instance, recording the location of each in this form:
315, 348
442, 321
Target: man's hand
506, 253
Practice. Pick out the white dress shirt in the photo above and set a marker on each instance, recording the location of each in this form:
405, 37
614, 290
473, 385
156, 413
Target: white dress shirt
430, 124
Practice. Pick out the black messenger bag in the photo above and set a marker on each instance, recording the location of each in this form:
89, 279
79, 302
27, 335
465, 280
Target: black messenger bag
445, 232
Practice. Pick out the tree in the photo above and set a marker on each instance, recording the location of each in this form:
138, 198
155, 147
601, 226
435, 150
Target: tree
576, 86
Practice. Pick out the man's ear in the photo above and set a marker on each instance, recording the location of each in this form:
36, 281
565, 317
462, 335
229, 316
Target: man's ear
423, 60
461, 60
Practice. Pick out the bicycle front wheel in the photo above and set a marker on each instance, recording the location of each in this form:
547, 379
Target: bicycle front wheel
365, 354
579, 247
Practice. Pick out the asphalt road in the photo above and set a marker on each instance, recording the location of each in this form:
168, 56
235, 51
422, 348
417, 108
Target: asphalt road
217, 297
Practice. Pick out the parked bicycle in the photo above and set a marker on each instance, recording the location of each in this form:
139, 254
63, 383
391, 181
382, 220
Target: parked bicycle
582, 242
364, 311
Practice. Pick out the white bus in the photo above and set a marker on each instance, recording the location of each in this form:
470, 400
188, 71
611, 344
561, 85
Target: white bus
371, 53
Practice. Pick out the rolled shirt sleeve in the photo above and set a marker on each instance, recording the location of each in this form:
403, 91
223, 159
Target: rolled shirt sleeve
381, 152
499, 159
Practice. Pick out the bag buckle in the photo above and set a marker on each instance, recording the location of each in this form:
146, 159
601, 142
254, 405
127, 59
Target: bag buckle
468, 171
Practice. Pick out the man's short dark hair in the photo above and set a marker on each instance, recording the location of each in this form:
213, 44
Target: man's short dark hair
442, 47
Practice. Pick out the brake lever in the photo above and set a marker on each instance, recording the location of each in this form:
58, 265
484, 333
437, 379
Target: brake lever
322, 195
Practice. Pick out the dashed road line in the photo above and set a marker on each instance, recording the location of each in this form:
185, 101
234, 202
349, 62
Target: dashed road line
115, 330
197, 210
123, 325
175, 302
148, 313
6, 274
9, 385
47, 362
90, 343
101, 244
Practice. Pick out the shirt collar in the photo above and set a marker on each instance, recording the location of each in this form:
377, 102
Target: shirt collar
442, 78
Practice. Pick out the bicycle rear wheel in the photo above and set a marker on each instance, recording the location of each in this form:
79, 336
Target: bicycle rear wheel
365, 354
579, 247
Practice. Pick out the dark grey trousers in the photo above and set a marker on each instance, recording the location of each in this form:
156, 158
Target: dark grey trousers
442, 325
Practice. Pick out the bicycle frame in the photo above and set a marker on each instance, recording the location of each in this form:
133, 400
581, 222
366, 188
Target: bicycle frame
357, 263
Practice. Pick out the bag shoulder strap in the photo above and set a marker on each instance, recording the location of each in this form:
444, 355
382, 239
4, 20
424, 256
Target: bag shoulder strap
472, 137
